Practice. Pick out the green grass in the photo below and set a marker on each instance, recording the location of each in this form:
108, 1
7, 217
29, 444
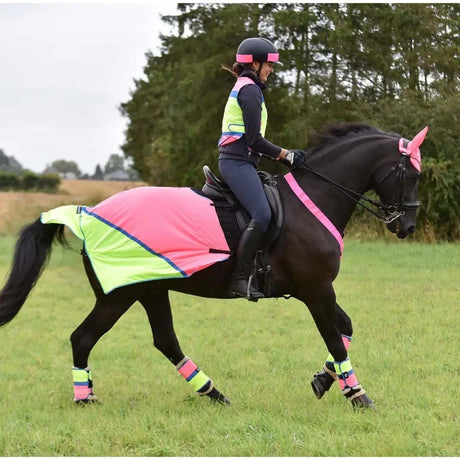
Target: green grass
402, 297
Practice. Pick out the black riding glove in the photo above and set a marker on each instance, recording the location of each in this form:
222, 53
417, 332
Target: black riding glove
295, 157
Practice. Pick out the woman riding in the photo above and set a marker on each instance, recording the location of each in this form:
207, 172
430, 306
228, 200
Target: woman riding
241, 146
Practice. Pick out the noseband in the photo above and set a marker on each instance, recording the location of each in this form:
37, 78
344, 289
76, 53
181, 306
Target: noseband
388, 212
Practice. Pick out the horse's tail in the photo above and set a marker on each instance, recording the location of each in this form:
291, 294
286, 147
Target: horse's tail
31, 254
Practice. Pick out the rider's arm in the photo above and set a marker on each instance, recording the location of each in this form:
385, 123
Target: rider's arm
250, 100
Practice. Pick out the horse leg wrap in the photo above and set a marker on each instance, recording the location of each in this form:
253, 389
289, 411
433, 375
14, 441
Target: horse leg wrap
329, 364
348, 382
82, 385
323, 380
198, 380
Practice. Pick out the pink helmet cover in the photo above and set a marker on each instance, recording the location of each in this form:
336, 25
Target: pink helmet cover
412, 150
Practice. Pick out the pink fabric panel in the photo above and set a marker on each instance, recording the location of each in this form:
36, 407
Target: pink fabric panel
351, 381
188, 369
81, 392
346, 342
242, 81
413, 148
244, 58
305, 199
226, 139
273, 57
175, 222
414, 155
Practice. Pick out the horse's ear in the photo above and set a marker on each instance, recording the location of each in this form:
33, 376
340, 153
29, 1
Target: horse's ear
413, 148
416, 142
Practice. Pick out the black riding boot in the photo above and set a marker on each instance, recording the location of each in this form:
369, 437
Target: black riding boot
240, 281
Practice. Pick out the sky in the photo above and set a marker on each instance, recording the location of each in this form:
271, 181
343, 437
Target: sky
64, 71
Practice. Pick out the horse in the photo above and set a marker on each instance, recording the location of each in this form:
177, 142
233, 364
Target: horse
318, 199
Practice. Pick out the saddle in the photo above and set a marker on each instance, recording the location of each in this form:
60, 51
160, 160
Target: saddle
226, 203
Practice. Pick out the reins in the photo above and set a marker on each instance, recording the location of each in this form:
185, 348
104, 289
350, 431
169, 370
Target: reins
390, 212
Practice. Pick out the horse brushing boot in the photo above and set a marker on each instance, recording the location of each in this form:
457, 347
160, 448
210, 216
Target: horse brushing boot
241, 279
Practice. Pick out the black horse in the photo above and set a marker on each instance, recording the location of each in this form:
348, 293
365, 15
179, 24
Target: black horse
318, 199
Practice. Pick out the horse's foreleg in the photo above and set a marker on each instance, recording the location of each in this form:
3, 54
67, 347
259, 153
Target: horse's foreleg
106, 312
324, 311
323, 380
158, 311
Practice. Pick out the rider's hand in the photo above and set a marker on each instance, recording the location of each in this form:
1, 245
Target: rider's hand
295, 157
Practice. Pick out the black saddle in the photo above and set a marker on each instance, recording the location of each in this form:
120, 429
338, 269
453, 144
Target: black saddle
232, 215
217, 189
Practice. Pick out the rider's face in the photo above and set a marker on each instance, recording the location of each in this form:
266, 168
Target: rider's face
265, 71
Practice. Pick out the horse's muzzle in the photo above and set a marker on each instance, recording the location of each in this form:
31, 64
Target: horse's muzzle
400, 228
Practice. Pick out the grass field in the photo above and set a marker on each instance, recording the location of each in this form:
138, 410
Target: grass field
403, 298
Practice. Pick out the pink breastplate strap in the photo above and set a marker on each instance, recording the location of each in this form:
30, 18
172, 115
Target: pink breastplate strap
306, 200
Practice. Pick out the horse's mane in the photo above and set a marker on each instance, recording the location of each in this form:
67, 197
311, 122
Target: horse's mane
334, 133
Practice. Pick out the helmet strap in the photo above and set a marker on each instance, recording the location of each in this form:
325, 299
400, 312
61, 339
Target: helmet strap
257, 71
260, 68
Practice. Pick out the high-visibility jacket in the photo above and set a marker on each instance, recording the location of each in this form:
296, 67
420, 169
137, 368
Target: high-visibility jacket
232, 122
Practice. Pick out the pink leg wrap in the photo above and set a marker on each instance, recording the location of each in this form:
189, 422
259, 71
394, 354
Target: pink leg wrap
187, 369
80, 392
346, 375
346, 341
82, 384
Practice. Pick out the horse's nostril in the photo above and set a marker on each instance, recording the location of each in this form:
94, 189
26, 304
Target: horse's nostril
411, 230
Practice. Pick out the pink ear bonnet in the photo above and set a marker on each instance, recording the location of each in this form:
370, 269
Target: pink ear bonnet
412, 148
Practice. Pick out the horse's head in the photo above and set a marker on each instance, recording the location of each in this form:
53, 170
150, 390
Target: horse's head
398, 187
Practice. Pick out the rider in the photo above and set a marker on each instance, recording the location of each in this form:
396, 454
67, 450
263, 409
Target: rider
240, 148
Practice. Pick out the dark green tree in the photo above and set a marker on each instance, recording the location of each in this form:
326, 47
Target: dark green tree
395, 66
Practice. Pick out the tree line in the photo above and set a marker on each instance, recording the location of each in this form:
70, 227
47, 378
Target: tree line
394, 66
14, 177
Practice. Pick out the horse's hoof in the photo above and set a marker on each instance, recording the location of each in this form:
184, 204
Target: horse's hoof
218, 397
363, 402
321, 383
91, 399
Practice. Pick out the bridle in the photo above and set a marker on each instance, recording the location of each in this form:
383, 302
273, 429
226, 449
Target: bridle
388, 212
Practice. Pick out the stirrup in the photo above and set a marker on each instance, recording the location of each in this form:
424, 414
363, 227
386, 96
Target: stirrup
249, 293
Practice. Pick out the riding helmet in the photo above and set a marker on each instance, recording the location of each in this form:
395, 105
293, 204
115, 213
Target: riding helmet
257, 49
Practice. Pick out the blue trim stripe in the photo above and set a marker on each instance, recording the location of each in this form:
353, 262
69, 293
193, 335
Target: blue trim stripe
190, 377
231, 133
80, 384
133, 238
234, 93
346, 375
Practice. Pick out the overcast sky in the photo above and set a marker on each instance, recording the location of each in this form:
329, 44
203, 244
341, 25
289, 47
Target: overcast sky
64, 70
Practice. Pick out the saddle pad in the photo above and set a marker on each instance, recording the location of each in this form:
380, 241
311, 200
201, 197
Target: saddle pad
146, 233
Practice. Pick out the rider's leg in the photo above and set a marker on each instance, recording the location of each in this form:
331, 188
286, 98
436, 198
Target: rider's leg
245, 183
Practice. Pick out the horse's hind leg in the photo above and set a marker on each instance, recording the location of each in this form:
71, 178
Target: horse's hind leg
107, 310
158, 311
323, 380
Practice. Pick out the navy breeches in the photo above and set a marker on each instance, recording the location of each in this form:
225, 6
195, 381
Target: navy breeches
242, 178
